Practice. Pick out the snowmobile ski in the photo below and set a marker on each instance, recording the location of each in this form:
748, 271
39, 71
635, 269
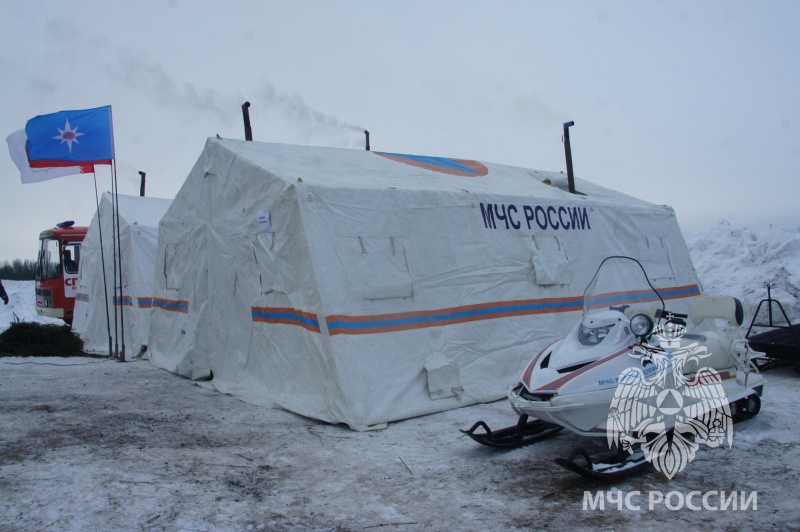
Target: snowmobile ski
606, 467
621, 465
523, 433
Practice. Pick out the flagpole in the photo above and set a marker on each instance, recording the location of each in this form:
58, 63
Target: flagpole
115, 197
103, 263
114, 256
119, 253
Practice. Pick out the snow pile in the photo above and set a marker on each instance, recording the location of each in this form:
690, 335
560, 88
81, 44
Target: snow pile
742, 262
21, 305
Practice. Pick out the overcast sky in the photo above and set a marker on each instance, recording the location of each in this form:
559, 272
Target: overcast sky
690, 104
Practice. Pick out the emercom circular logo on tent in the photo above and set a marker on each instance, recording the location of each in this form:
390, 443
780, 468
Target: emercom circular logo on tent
664, 413
444, 165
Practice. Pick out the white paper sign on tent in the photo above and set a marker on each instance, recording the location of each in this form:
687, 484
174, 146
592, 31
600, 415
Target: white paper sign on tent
264, 223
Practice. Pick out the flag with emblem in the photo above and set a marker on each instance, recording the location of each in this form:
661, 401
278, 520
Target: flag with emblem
70, 138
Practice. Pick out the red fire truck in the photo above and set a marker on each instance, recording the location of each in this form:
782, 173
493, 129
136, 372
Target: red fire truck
57, 270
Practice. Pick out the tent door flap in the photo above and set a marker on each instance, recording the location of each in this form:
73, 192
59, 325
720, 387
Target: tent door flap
444, 379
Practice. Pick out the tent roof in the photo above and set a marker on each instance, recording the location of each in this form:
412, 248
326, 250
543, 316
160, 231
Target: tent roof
362, 169
141, 211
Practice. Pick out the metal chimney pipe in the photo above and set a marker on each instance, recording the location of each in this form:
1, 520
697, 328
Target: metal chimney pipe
568, 154
367, 134
248, 132
141, 184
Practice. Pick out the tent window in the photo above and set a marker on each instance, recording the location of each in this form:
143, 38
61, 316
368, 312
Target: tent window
268, 248
380, 267
654, 255
550, 263
172, 270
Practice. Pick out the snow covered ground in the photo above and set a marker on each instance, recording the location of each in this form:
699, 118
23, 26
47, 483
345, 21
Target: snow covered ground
741, 262
92, 444
21, 305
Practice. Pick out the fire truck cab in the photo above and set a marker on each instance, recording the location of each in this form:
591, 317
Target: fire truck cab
57, 270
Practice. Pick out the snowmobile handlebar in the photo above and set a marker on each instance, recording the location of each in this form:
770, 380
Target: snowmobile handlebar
670, 316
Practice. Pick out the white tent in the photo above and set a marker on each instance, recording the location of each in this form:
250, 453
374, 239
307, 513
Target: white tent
138, 238
362, 287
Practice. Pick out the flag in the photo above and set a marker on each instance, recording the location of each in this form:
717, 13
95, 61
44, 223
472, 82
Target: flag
70, 138
16, 147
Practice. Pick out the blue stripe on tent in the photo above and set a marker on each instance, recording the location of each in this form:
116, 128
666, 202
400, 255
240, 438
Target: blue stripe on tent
688, 291
124, 300
170, 304
447, 316
286, 316
450, 316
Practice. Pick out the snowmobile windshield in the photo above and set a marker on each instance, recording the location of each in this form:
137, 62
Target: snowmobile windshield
618, 283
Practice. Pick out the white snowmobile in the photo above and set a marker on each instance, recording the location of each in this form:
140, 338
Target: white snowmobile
631, 373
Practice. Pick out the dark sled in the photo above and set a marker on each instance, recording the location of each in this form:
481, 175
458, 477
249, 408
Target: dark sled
781, 342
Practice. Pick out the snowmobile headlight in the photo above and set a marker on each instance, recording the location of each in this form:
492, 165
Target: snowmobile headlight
593, 335
641, 325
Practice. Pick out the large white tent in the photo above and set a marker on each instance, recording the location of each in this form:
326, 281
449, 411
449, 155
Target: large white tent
362, 287
101, 312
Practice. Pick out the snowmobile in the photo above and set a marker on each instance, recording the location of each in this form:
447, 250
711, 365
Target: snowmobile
632, 373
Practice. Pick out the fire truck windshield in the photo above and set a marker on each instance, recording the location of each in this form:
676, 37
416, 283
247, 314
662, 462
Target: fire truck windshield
49, 266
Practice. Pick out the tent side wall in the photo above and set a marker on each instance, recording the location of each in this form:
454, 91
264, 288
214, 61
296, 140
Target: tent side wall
180, 280
138, 262
226, 287
91, 321
429, 307
264, 342
101, 305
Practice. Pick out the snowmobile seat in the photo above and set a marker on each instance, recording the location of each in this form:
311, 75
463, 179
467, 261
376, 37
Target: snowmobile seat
717, 307
719, 346
719, 351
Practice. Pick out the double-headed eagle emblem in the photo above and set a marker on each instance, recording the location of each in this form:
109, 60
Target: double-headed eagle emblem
663, 412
